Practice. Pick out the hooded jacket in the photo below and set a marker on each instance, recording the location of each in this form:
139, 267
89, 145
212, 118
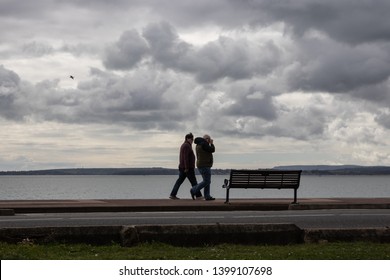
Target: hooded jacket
204, 153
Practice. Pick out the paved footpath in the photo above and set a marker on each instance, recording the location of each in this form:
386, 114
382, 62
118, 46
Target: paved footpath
149, 205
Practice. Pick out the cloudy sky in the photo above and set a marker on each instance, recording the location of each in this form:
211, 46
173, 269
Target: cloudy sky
273, 82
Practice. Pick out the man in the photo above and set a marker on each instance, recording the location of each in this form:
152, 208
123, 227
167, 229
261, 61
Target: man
186, 167
204, 153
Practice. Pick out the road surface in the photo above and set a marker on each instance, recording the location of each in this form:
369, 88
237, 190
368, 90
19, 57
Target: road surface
335, 218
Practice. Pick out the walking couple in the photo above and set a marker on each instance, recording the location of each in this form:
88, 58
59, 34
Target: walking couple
204, 161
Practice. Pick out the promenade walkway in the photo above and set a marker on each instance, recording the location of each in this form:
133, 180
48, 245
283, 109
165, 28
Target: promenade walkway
150, 205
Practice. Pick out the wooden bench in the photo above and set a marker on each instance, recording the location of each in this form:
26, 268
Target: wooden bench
263, 179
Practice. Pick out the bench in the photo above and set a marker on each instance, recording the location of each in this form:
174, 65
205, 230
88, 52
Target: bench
263, 179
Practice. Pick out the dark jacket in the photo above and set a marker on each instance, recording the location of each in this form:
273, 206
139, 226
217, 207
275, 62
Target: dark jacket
186, 157
204, 153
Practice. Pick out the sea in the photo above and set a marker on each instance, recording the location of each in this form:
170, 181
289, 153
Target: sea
80, 187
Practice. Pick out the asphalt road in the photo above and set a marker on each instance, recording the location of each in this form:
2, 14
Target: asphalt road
336, 218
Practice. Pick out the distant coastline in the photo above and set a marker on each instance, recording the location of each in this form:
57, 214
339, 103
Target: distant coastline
307, 170
339, 169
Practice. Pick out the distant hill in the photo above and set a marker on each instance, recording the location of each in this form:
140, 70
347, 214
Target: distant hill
317, 167
307, 170
95, 171
106, 171
339, 169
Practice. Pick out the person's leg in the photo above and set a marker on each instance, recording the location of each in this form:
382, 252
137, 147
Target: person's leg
201, 185
207, 179
192, 178
179, 181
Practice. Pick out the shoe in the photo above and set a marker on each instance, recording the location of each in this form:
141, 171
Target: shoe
173, 197
192, 195
199, 197
209, 198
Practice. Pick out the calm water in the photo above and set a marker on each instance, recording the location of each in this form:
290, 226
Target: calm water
156, 186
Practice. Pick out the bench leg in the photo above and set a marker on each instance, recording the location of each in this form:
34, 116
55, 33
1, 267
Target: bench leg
295, 196
227, 195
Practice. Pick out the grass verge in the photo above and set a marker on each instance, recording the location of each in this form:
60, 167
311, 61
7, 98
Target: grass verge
159, 251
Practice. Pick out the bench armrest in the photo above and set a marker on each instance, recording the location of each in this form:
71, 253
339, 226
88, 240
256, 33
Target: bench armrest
225, 184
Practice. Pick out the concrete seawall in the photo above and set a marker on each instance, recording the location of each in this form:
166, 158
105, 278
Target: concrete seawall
192, 235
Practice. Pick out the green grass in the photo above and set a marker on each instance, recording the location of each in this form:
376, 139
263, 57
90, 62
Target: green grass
157, 251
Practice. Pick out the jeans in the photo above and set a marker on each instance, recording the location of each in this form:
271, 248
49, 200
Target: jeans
206, 175
182, 176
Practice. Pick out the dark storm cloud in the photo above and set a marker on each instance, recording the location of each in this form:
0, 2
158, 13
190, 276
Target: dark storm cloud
9, 90
303, 123
323, 63
378, 93
348, 21
29, 9
383, 119
165, 45
224, 58
106, 98
112, 99
256, 107
348, 54
127, 52
331, 67
235, 59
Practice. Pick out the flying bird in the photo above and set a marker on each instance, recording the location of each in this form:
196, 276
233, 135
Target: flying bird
71, 77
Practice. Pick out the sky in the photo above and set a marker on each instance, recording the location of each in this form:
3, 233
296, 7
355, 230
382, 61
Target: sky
273, 82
